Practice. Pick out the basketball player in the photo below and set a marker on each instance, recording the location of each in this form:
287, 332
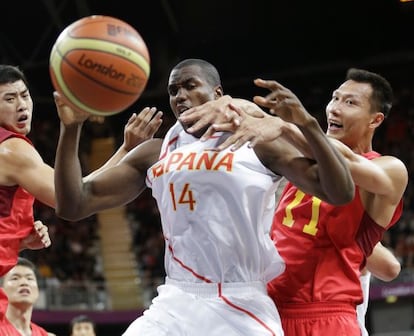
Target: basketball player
326, 246
21, 288
215, 210
82, 325
24, 176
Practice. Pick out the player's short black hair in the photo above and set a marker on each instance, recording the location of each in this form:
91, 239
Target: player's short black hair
81, 319
11, 74
209, 70
382, 93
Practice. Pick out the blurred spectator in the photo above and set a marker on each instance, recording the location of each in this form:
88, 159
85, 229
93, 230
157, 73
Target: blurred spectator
82, 325
21, 288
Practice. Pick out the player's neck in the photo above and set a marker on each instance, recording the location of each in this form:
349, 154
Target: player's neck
362, 147
20, 319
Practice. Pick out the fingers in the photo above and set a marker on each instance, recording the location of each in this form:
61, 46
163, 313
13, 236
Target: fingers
198, 125
235, 142
56, 97
192, 112
38, 224
267, 84
155, 123
220, 119
144, 116
141, 127
275, 98
237, 116
198, 121
46, 241
42, 233
148, 119
225, 127
198, 116
131, 119
234, 121
204, 115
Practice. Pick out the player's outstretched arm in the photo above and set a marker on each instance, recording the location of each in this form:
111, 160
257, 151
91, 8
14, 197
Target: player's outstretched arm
328, 173
78, 198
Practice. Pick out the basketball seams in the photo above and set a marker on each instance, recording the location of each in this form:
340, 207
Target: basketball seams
64, 88
78, 29
104, 46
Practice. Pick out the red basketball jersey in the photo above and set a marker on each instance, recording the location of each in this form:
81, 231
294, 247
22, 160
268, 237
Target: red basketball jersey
16, 222
16, 216
324, 247
7, 329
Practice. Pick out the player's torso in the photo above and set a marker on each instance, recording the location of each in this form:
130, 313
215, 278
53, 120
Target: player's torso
214, 209
319, 243
7, 329
16, 219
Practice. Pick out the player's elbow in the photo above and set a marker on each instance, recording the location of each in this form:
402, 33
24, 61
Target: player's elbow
349, 192
342, 195
67, 213
391, 271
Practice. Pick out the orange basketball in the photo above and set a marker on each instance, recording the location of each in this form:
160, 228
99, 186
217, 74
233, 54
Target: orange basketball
99, 64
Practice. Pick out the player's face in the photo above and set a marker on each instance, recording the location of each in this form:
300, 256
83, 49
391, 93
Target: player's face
187, 87
348, 114
20, 285
83, 329
16, 107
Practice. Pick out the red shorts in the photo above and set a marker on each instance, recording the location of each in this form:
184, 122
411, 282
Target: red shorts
321, 318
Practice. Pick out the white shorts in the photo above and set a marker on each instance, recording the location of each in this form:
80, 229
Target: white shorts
189, 309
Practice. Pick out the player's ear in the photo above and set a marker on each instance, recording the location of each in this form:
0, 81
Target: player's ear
377, 119
218, 92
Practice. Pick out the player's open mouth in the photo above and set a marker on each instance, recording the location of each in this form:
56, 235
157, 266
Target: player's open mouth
182, 108
22, 118
334, 125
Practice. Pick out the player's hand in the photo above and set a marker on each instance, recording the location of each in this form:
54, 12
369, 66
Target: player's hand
37, 239
211, 112
252, 129
282, 102
67, 115
141, 127
218, 114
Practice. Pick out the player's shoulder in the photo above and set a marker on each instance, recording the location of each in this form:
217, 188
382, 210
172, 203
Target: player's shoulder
39, 331
16, 150
15, 143
16, 157
391, 163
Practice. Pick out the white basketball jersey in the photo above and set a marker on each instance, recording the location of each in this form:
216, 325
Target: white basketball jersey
216, 208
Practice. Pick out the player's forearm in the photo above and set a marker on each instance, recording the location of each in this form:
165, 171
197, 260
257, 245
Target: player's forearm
334, 175
68, 172
293, 134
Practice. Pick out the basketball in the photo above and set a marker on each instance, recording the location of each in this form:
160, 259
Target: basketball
99, 64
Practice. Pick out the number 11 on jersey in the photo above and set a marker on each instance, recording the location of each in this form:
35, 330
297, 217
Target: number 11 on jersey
311, 227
